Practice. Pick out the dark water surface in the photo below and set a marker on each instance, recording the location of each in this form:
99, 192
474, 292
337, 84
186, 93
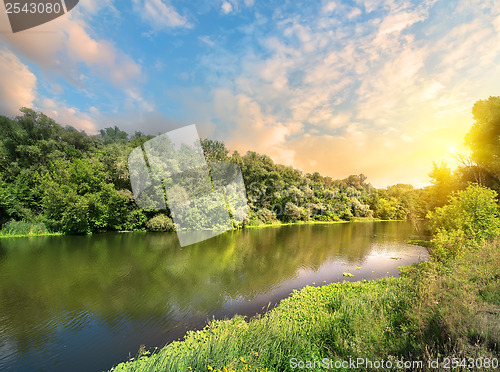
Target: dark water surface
83, 303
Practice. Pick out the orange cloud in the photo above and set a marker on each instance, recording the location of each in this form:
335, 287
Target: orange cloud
17, 86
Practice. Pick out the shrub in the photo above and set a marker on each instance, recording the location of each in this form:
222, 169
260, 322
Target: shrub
266, 215
469, 219
160, 222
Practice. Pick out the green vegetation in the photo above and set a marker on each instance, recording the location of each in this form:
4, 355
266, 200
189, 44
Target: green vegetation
467, 221
311, 324
21, 228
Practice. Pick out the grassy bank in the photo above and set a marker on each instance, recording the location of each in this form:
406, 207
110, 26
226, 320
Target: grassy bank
317, 222
21, 229
2, 236
433, 310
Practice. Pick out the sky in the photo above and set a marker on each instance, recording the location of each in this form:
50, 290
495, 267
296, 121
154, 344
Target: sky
379, 87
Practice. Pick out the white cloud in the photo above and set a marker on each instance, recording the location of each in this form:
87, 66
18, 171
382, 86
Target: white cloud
353, 13
100, 55
382, 96
161, 15
397, 22
63, 46
267, 135
93, 7
329, 7
226, 7
207, 40
18, 89
60, 45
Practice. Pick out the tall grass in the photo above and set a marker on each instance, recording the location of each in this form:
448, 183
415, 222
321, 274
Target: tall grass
339, 320
22, 228
458, 308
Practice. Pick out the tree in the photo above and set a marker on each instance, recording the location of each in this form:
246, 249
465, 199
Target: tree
113, 135
31, 142
214, 150
443, 184
484, 139
77, 199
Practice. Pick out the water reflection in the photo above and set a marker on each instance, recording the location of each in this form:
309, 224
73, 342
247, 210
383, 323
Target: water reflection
63, 299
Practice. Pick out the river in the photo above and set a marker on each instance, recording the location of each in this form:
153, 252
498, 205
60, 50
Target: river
84, 303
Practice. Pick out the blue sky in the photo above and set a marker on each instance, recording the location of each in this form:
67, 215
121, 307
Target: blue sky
341, 87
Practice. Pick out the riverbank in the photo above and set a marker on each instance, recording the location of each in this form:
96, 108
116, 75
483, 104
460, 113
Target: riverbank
434, 310
34, 231
317, 222
21, 229
5, 236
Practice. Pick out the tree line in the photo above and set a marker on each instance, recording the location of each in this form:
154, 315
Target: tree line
64, 180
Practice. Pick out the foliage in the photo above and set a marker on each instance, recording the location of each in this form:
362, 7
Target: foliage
76, 198
160, 222
458, 304
484, 141
397, 202
214, 150
16, 199
33, 141
444, 182
114, 135
469, 219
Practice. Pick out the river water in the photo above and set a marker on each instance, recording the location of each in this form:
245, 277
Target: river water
85, 303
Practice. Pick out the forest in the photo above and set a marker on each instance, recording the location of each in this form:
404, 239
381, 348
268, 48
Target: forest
56, 179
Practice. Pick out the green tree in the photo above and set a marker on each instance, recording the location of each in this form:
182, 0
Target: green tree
444, 182
113, 135
388, 209
484, 140
31, 142
77, 199
214, 150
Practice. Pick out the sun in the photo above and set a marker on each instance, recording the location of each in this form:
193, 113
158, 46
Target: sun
452, 149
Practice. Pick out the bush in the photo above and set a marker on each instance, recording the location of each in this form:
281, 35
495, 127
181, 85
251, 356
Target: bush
469, 219
266, 216
135, 220
160, 223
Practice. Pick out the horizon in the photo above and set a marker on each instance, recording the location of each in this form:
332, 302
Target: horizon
339, 88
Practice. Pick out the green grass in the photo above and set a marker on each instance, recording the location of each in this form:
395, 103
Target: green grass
16, 229
432, 310
316, 322
279, 224
317, 222
458, 309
